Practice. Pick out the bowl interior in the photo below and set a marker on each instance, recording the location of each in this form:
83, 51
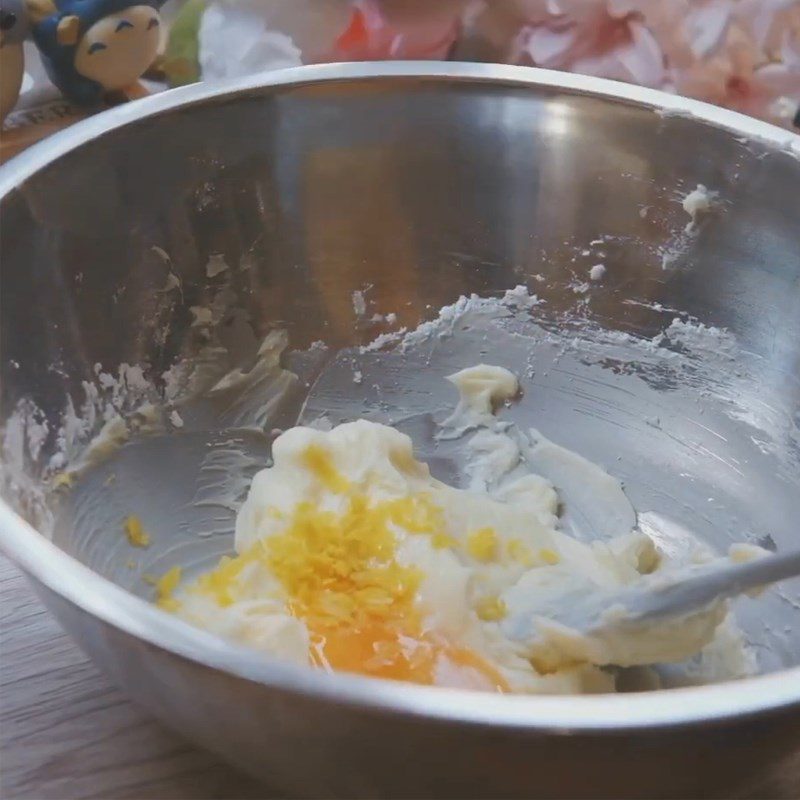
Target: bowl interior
203, 261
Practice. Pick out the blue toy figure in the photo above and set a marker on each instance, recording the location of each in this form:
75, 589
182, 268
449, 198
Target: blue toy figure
93, 47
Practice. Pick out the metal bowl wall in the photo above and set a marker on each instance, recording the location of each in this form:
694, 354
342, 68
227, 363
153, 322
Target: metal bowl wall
424, 182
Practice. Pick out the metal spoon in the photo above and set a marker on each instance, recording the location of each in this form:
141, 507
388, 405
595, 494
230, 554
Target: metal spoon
661, 618
700, 586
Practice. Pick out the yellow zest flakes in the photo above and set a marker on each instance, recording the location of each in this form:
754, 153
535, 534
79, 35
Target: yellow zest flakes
441, 540
319, 462
520, 552
491, 608
341, 569
149, 579
165, 586
338, 568
63, 480
220, 582
482, 544
135, 532
416, 513
131, 564
549, 556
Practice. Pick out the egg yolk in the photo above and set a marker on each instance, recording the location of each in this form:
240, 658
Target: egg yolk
381, 653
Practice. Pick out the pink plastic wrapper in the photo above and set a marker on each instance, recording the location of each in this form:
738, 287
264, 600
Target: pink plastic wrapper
743, 54
241, 36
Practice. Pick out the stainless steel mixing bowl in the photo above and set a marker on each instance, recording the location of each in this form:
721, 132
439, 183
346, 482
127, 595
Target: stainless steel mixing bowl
269, 202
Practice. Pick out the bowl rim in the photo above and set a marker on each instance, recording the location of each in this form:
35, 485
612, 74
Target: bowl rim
66, 577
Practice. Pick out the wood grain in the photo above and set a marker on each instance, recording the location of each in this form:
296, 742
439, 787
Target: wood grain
66, 733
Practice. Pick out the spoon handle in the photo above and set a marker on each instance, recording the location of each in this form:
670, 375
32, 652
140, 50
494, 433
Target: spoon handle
710, 583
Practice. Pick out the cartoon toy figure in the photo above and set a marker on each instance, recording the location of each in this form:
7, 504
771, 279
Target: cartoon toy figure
91, 48
13, 30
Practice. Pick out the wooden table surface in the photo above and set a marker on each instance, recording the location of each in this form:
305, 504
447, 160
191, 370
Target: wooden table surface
67, 733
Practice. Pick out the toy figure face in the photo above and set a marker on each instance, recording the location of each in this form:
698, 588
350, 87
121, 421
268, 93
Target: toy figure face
13, 22
118, 49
